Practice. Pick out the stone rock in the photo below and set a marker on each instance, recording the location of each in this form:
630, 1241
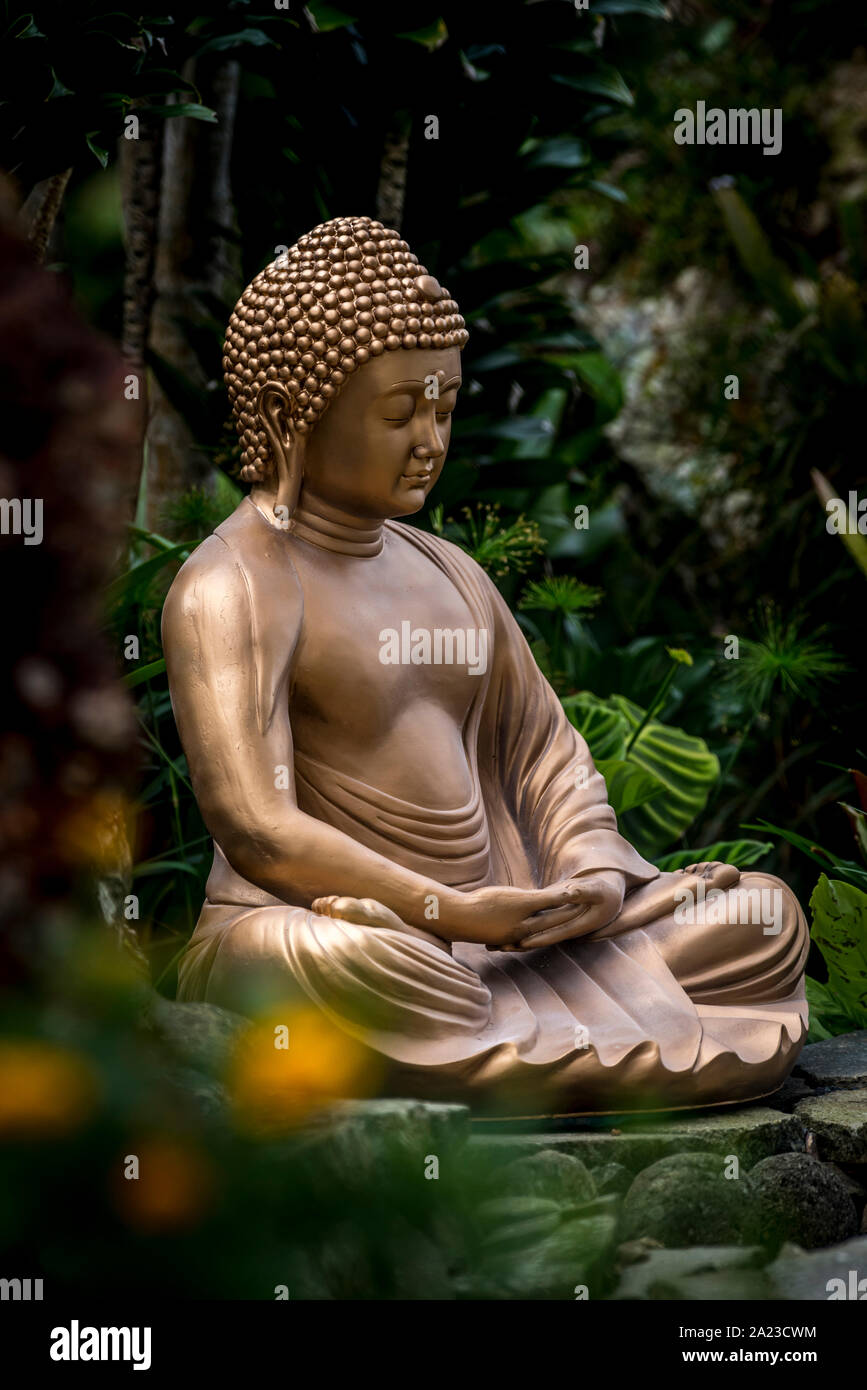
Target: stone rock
802, 1200
612, 1178
685, 1199
854, 1185
199, 1035
704, 1272
800, 1275
549, 1174
198, 1090
749, 1132
630, 1252
354, 1140
839, 1121
414, 1124
839, 1063
793, 1089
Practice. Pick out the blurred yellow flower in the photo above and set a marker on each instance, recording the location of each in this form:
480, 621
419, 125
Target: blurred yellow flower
45, 1090
293, 1062
161, 1184
97, 833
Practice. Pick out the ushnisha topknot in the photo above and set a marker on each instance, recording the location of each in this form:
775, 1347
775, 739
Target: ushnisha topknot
349, 290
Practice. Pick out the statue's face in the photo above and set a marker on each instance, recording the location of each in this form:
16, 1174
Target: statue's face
381, 445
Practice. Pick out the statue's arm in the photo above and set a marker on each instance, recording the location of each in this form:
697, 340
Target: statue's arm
551, 785
228, 669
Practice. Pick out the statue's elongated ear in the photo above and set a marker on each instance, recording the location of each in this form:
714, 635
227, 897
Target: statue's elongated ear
287, 449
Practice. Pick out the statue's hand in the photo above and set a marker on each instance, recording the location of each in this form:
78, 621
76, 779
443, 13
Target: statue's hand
599, 898
501, 917
365, 912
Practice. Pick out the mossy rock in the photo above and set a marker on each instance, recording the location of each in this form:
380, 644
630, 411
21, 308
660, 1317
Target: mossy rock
686, 1199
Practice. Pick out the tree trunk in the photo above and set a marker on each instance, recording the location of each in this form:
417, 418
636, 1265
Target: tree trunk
197, 277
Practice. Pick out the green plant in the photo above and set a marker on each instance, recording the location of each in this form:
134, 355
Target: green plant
658, 777
839, 929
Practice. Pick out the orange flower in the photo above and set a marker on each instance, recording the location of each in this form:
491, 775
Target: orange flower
45, 1091
97, 832
162, 1185
294, 1062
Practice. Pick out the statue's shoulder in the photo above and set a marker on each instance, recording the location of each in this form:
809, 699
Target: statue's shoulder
246, 562
449, 555
466, 572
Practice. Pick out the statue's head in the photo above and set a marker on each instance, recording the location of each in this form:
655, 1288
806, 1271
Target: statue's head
342, 361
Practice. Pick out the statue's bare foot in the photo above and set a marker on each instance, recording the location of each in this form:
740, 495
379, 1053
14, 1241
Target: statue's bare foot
367, 912
715, 875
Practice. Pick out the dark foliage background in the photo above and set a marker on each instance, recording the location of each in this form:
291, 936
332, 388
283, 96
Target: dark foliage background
595, 380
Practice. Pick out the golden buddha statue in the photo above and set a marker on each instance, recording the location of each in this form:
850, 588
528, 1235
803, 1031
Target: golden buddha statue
407, 829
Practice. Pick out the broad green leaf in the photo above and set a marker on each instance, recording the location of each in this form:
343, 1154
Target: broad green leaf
686, 767
145, 673
741, 853
827, 1017
605, 730
682, 765
628, 785
840, 931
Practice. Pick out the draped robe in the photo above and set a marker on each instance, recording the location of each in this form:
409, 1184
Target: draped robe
646, 1013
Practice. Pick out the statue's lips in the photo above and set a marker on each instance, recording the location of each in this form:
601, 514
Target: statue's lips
417, 479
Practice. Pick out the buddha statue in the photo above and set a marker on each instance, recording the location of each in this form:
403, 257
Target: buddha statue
407, 829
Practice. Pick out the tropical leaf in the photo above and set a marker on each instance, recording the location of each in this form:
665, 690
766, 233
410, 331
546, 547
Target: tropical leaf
605, 730
840, 932
685, 766
827, 1019
682, 765
628, 785
741, 853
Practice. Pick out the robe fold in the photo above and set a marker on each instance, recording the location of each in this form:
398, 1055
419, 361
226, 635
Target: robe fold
646, 1013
